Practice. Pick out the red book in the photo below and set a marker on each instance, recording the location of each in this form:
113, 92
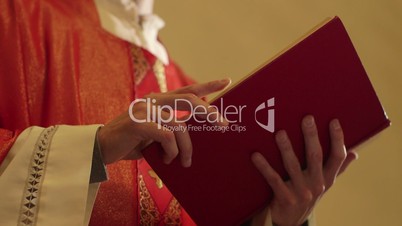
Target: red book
321, 75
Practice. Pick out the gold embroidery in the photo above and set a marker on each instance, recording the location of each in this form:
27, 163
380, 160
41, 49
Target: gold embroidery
173, 214
140, 64
30, 200
141, 68
149, 215
159, 70
158, 181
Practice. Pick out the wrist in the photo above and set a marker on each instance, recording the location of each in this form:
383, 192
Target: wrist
100, 142
98, 169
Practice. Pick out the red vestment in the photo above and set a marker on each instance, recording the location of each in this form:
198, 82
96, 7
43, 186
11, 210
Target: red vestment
58, 66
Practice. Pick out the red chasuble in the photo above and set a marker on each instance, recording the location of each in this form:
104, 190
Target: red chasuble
58, 66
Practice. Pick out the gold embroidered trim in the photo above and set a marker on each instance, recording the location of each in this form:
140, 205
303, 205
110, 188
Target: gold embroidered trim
140, 64
173, 214
141, 68
149, 215
36, 171
159, 70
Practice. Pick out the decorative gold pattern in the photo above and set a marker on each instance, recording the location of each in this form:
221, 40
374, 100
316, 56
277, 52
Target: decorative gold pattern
140, 63
173, 214
159, 70
149, 215
141, 67
158, 181
36, 171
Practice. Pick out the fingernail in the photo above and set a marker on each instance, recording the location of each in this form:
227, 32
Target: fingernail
309, 121
225, 81
335, 124
356, 156
166, 161
187, 163
255, 156
281, 136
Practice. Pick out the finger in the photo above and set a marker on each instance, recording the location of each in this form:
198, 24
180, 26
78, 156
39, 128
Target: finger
351, 156
289, 159
313, 148
183, 139
165, 137
189, 102
271, 176
337, 154
204, 89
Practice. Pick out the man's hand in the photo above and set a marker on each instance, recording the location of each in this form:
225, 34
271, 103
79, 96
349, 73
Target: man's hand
295, 199
124, 138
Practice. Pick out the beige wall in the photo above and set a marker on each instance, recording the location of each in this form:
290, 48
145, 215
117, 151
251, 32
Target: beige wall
227, 38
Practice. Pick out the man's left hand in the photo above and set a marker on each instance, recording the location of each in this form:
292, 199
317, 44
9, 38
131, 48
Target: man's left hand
295, 199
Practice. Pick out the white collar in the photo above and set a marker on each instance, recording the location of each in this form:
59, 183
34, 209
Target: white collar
133, 22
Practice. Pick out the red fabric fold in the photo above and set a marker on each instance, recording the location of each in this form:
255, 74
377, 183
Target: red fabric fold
7, 139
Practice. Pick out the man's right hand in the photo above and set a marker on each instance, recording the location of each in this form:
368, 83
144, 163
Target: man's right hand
123, 138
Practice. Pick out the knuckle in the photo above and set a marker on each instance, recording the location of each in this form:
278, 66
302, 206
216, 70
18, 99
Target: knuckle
293, 168
139, 107
135, 115
330, 183
190, 97
318, 190
290, 201
306, 197
140, 113
316, 155
275, 179
168, 136
151, 95
338, 134
171, 153
311, 132
186, 89
341, 155
284, 145
195, 90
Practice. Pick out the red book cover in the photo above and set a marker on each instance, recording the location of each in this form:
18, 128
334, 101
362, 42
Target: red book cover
321, 75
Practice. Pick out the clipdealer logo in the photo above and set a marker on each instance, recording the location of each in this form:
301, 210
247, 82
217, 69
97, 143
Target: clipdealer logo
269, 106
233, 114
